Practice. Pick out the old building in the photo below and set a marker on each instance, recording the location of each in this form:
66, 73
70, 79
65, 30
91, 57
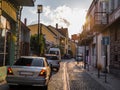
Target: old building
64, 40
114, 28
93, 34
54, 37
101, 32
75, 38
9, 27
9, 32
24, 40
49, 35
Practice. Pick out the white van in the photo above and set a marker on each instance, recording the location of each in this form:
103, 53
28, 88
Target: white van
55, 51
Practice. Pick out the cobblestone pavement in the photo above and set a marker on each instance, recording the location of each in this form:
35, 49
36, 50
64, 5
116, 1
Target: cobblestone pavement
56, 81
71, 76
80, 80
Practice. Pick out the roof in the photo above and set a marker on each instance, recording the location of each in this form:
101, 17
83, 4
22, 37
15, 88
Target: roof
25, 2
51, 30
34, 31
50, 55
24, 27
64, 31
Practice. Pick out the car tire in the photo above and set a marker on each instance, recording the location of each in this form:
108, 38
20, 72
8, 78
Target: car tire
57, 69
50, 75
11, 87
45, 87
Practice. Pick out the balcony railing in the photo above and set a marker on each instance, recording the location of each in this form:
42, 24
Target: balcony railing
100, 18
114, 15
99, 21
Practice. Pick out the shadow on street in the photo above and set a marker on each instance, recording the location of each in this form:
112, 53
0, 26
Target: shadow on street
26, 88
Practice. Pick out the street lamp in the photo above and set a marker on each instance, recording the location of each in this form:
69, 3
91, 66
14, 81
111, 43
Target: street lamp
40, 9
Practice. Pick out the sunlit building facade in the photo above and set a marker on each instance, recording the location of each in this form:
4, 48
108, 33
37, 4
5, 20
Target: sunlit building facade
101, 35
9, 29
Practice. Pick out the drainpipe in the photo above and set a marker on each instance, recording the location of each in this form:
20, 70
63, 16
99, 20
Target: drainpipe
96, 50
19, 32
4, 48
85, 56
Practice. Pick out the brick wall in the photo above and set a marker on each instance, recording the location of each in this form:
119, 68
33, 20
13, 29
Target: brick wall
115, 50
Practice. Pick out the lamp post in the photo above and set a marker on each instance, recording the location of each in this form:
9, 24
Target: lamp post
39, 8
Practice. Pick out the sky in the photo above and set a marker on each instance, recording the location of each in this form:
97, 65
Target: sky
67, 13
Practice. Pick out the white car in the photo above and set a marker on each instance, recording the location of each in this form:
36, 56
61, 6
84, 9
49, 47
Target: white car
53, 60
29, 70
55, 51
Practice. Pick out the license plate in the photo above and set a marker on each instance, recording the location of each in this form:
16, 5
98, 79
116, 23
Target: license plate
26, 73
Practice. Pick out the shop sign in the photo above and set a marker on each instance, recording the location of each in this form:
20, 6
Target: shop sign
105, 40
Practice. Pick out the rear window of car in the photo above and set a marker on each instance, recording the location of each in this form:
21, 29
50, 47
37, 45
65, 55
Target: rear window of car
52, 57
54, 52
29, 62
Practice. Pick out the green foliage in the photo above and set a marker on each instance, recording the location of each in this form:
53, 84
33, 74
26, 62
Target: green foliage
34, 43
35, 46
42, 45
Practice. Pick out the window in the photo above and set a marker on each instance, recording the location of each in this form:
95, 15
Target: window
23, 62
52, 57
118, 3
112, 5
116, 57
29, 62
37, 62
54, 52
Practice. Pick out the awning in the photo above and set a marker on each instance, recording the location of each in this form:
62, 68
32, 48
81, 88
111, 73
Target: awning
25, 2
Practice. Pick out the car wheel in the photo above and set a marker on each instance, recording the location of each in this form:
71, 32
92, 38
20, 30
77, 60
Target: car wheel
57, 69
11, 87
45, 87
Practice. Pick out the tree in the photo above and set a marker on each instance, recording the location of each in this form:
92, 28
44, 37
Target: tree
35, 46
34, 43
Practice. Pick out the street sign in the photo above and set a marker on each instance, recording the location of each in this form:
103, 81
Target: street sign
106, 40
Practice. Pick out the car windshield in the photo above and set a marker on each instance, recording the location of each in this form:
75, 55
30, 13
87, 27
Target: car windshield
54, 52
52, 57
29, 62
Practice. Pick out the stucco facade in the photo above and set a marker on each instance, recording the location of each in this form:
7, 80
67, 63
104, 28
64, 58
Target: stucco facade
49, 36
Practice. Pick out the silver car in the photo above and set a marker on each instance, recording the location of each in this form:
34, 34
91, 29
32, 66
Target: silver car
54, 60
29, 70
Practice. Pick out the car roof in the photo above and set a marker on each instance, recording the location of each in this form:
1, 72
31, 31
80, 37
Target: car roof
32, 57
50, 55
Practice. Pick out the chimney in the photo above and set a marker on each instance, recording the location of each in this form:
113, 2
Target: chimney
25, 21
56, 25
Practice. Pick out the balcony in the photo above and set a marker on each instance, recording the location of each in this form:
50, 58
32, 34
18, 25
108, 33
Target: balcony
100, 20
86, 37
114, 16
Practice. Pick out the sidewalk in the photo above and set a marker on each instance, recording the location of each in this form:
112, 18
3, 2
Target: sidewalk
2, 75
113, 83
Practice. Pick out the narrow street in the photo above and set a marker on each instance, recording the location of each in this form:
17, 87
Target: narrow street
73, 77
70, 77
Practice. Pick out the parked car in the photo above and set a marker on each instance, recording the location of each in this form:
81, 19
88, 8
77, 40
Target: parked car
55, 51
54, 60
29, 70
67, 56
79, 58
